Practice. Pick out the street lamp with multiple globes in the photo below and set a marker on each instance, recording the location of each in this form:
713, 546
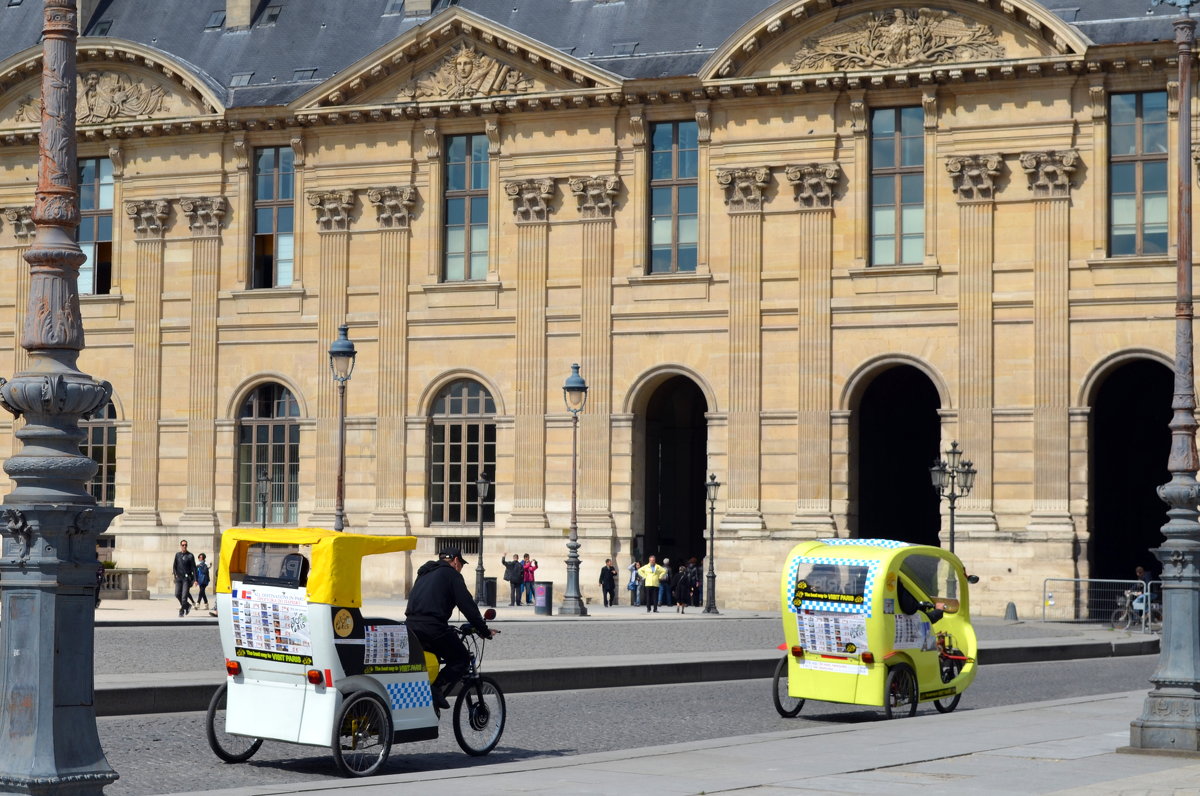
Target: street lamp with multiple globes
710, 585
1170, 717
952, 478
341, 364
481, 493
575, 395
264, 489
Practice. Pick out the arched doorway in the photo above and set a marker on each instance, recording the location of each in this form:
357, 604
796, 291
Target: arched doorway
1129, 445
896, 436
673, 461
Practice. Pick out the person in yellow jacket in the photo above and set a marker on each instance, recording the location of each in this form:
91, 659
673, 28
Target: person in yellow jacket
652, 574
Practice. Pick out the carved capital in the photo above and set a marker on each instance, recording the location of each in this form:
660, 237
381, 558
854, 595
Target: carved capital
596, 195
974, 176
149, 217
744, 188
205, 214
532, 199
393, 205
1050, 172
333, 209
21, 221
814, 184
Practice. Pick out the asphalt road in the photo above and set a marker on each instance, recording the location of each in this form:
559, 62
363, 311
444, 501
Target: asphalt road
168, 753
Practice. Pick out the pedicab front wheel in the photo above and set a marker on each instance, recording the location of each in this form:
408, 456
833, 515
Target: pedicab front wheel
230, 748
787, 706
900, 692
362, 737
479, 715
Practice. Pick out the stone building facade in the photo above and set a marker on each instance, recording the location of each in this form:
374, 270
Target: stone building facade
800, 245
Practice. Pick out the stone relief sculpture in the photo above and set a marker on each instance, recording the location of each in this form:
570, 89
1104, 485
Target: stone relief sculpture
465, 73
899, 38
103, 97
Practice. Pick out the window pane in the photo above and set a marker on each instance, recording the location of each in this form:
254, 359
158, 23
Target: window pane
264, 220
661, 137
479, 175
883, 221
1154, 176
660, 260
1155, 239
1122, 140
479, 149
264, 187
688, 229
688, 161
883, 191
455, 240
883, 121
456, 211
883, 153
87, 195
479, 210
479, 266
104, 228
660, 201
687, 199
454, 267
456, 177
283, 263
1124, 210
660, 166
912, 152
479, 239
912, 121
912, 189
883, 251
1154, 209
456, 149
687, 258
1123, 108
912, 220
689, 135
1124, 241
87, 228
105, 199
87, 270
1154, 106
1123, 178
283, 217
913, 248
286, 184
660, 230
286, 161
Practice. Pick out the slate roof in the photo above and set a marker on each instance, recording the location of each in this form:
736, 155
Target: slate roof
637, 39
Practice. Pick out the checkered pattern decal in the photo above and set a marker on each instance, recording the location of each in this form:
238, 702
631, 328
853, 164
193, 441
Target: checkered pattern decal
405, 696
886, 544
823, 605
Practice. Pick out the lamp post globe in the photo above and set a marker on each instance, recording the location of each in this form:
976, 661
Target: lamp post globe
575, 397
341, 365
481, 493
710, 580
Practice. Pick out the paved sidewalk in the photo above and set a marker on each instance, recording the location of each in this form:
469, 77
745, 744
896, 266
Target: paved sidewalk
1066, 746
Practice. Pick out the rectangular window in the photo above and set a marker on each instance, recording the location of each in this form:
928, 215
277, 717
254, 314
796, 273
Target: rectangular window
216, 20
393, 7
274, 208
241, 79
95, 225
466, 234
1137, 174
897, 186
674, 150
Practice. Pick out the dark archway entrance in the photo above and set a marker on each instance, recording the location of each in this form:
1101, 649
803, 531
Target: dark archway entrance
674, 461
1130, 442
897, 433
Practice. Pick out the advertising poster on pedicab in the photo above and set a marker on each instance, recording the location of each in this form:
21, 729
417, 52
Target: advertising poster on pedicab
271, 623
831, 600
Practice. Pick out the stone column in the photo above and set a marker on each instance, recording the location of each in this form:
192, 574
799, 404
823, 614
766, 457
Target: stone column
393, 208
532, 204
744, 190
149, 225
50, 520
596, 197
1050, 180
974, 180
205, 215
21, 222
814, 185
333, 210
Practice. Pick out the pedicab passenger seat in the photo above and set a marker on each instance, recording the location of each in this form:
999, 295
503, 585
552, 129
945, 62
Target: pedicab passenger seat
294, 569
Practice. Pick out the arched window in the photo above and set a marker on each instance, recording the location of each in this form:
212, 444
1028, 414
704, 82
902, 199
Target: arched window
268, 443
100, 444
462, 443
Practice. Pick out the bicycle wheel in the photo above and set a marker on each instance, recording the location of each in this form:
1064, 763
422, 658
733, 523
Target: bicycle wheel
362, 737
1122, 618
787, 706
230, 748
479, 715
900, 692
950, 669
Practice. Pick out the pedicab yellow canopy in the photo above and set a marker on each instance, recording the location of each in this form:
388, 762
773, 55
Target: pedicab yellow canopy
335, 574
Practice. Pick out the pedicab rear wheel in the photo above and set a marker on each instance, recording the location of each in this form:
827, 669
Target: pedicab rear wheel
787, 706
900, 692
362, 736
230, 748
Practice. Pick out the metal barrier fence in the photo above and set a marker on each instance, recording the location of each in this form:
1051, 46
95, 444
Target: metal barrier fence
1114, 602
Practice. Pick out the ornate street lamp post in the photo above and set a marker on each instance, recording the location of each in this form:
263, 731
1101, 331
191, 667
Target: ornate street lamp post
1171, 713
952, 478
341, 364
710, 581
50, 521
264, 489
481, 493
575, 395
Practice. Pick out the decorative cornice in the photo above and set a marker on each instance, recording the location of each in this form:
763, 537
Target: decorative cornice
744, 188
532, 199
21, 221
1050, 172
974, 176
393, 205
149, 217
333, 209
814, 184
205, 214
596, 195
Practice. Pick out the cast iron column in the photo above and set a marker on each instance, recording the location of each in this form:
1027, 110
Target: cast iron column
575, 396
710, 581
1170, 717
48, 566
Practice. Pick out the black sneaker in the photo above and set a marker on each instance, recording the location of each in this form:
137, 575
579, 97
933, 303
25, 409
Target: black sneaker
439, 699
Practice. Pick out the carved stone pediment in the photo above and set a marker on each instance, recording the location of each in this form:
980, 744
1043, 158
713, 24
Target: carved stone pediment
897, 39
466, 73
103, 96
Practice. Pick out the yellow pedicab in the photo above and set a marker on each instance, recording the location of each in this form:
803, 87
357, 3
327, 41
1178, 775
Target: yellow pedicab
874, 622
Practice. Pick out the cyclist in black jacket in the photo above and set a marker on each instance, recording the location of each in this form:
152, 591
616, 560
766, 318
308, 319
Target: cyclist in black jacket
438, 590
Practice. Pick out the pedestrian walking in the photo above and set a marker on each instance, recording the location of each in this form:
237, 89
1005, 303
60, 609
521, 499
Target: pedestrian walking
635, 581
608, 583
529, 567
202, 580
681, 586
664, 586
514, 575
652, 575
184, 570
697, 574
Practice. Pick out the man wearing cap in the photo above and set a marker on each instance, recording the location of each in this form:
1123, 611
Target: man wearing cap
438, 590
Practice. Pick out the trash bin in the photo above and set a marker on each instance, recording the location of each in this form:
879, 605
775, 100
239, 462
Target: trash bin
489, 591
543, 597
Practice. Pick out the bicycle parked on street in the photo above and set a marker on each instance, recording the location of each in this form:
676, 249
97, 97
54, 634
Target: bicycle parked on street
1131, 611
